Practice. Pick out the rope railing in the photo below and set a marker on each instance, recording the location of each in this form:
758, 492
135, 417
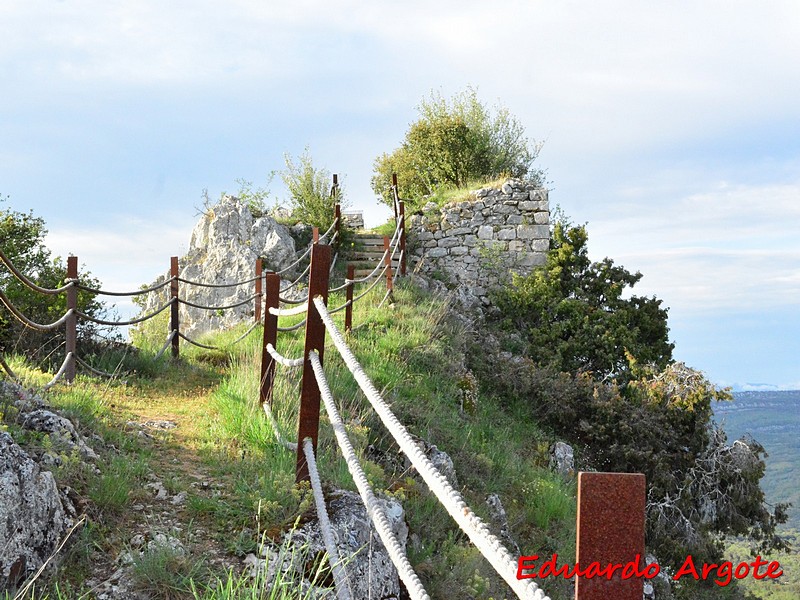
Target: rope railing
135, 321
374, 508
167, 344
60, 372
92, 370
141, 292
337, 568
297, 261
488, 544
31, 284
198, 344
282, 360
215, 285
290, 446
8, 369
287, 312
294, 327
227, 307
33, 324
298, 280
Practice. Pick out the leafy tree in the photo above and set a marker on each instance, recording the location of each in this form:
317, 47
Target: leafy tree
574, 315
455, 143
310, 191
599, 373
22, 241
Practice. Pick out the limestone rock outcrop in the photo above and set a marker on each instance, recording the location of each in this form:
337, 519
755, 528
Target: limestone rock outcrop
367, 565
224, 246
33, 520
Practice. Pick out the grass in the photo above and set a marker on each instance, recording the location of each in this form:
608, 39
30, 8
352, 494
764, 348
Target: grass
412, 352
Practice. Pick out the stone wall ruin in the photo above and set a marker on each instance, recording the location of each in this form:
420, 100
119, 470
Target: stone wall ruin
475, 244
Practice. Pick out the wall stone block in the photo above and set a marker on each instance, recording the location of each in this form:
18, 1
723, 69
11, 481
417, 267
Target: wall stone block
479, 242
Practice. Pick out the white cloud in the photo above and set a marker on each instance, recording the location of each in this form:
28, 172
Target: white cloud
733, 247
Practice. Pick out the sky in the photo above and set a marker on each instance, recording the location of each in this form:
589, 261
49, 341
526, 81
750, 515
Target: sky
672, 129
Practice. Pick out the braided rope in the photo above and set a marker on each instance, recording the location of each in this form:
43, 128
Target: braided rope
7, 369
216, 285
31, 284
294, 327
291, 446
33, 324
203, 307
91, 369
372, 285
488, 544
333, 262
245, 334
374, 508
60, 372
337, 568
141, 292
303, 300
198, 344
340, 308
286, 362
327, 233
300, 277
297, 260
91, 319
288, 312
171, 335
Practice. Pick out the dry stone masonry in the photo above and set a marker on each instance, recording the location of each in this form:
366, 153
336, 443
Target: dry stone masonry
476, 243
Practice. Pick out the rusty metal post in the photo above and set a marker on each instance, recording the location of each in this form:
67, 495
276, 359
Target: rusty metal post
72, 321
348, 311
387, 252
308, 426
610, 531
402, 239
315, 234
259, 295
174, 322
270, 337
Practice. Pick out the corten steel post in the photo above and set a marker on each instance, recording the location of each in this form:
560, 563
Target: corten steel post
270, 337
315, 234
259, 296
72, 320
174, 324
348, 311
610, 531
402, 239
387, 253
308, 426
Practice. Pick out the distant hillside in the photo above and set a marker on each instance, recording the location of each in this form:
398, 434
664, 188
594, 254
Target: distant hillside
773, 419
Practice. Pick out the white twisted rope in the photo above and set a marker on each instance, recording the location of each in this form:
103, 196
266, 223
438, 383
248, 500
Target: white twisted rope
286, 362
374, 508
488, 544
60, 372
166, 345
287, 312
291, 446
337, 568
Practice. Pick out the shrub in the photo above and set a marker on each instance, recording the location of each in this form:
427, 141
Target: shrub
455, 143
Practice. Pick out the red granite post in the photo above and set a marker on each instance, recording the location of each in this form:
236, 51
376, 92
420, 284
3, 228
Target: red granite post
610, 531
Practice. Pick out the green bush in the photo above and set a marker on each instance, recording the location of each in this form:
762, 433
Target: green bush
574, 316
453, 144
312, 200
